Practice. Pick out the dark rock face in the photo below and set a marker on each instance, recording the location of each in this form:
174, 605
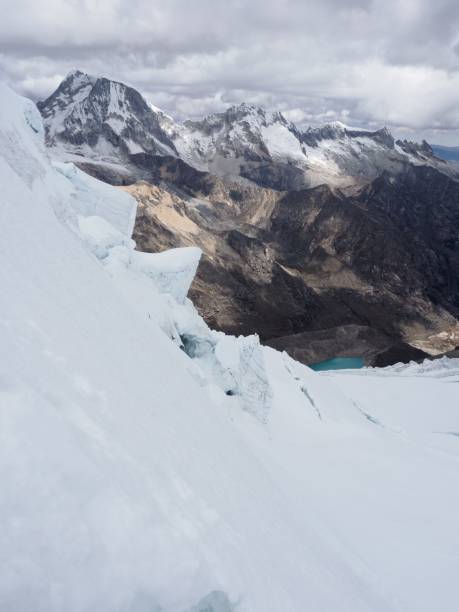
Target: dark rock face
376, 348
416, 149
321, 274
314, 136
174, 171
342, 341
423, 205
108, 174
398, 353
388, 259
274, 175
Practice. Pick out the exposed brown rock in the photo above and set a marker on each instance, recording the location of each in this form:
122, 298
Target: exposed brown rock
291, 265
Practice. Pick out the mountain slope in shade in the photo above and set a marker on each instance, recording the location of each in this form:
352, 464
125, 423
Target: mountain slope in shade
317, 273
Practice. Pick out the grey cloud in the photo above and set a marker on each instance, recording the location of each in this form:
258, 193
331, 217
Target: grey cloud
368, 62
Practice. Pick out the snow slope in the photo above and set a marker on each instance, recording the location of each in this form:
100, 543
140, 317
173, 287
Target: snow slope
148, 463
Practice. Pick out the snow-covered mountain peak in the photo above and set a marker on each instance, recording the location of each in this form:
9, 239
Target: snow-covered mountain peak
255, 114
254, 117
76, 79
96, 117
337, 130
107, 121
243, 132
74, 88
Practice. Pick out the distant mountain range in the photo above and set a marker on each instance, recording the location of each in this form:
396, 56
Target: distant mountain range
109, 122
326, 241
446, 153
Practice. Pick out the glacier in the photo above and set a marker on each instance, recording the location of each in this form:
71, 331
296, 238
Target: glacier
148, 463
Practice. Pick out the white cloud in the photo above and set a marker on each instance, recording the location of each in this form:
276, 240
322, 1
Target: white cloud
365, 62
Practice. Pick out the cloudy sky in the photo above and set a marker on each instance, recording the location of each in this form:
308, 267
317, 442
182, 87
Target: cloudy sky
365, 62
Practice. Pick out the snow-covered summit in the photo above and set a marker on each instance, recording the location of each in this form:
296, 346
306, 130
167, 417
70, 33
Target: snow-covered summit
337, 130
98, 118
243, 133
265, 147
107, 121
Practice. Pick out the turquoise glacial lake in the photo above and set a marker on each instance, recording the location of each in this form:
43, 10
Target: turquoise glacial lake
338, 363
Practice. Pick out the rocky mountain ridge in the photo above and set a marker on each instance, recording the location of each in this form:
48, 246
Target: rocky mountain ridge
111, 123
99, 118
